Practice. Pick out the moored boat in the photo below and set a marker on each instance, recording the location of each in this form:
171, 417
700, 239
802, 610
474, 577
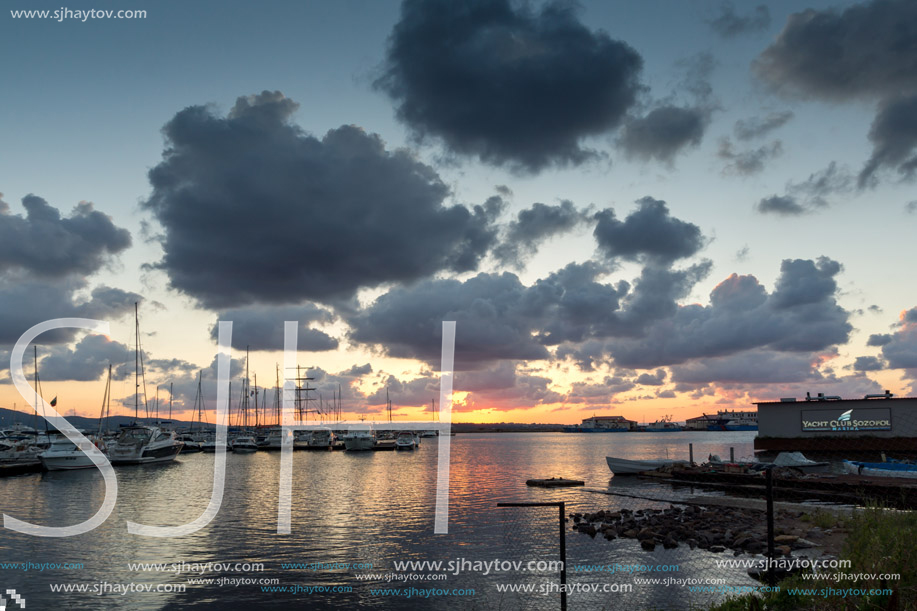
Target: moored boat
405, 441
881, 469
626, 466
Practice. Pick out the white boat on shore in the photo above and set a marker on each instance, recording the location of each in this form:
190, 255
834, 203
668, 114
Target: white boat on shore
626, 466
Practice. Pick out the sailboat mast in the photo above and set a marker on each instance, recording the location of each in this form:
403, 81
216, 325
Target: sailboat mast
136, 362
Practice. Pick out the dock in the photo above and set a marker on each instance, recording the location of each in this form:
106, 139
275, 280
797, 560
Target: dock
20, 468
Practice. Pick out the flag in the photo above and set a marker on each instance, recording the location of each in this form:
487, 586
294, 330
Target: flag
53, 402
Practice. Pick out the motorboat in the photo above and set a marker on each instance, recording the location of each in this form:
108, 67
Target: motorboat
405, 441
244, 444
360, 438
142, 443
796, 460
191, 443
626, 466
64, 455
881, 469
274, 439
322, 438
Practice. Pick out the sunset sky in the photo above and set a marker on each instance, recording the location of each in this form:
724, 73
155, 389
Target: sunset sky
628, 208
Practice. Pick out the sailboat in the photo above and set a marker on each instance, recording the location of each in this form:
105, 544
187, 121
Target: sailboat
142, 443
245, 443
193, 443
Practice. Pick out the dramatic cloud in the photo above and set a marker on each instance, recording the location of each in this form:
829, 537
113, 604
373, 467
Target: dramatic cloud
498, 317
262, 327
25, 302
894, 138
508, 83
649, 233
45, 244
729, 24
900, 349
534, 225
86, 361
780, 205
506, 386
756, 127
865, 51
800, 315
339, 213
746, 163
652, 379
664, 132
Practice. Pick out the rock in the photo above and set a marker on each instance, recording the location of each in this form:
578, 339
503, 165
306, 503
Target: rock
783, 549
669, 543
577, 517
648, 544
646, 533
609, 535
630, 534
803, 544
589, 529
785, 539
692, 543
716, 549
755, 547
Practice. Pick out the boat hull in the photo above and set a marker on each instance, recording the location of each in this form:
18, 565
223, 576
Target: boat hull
66, 462
147, 456
625, 466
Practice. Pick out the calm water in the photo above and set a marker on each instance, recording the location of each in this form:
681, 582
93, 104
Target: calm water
374, 507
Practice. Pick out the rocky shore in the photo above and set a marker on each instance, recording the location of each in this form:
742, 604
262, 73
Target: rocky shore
715, 529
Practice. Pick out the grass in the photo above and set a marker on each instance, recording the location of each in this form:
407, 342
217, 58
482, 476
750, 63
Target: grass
879, 541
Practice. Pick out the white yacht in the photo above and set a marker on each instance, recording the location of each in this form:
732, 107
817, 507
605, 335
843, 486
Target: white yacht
244, 444
65, 455
405, 441
360, 438
322, 438
144, 443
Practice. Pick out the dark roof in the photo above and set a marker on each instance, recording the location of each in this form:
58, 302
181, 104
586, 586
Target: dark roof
818, 401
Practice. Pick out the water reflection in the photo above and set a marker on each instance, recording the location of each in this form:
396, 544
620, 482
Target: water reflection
373, 507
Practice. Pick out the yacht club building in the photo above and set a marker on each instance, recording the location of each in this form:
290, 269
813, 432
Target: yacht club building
875, 423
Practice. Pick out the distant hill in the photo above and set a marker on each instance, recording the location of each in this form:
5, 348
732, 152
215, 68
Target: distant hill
8, 417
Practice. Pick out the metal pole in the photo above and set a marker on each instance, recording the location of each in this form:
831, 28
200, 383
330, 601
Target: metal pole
691, 453
732, 454
563, 558
771, 576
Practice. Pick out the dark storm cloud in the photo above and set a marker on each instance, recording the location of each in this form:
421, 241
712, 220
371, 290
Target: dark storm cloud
784, 205
868, 363
45, 244
255, 210
497, 317
261, 327
911, 207
649, 233
800, 315
26, 301
894, 139
867, 50
752, 161
534, 225
729, 24
508, 83
755, 127
86, 361
664, 132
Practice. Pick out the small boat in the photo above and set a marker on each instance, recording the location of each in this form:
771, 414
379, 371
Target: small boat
626, 466
64, 455
796, 460
881, 469
405, 441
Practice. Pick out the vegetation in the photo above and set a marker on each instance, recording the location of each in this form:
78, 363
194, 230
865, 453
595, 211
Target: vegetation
879, 541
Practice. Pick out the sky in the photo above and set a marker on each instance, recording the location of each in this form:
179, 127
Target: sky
653, 209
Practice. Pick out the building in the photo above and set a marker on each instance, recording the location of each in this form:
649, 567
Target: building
700, 423
875, 423
603, 424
